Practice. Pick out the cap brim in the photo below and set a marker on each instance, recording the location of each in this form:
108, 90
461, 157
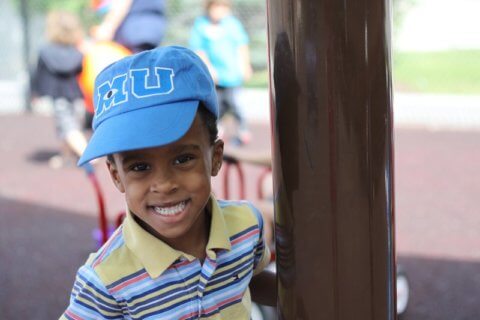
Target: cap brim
139, 129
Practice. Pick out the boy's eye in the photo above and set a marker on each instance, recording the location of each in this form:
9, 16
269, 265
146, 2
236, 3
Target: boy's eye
184, 158
137, 167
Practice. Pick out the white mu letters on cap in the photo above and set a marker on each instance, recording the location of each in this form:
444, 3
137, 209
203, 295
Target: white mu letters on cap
115, 92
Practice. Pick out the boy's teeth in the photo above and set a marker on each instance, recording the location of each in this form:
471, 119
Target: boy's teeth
170, 211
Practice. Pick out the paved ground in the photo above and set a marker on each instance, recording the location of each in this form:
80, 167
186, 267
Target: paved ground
47, 216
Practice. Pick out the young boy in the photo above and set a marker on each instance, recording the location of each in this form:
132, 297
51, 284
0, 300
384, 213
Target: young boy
180, 253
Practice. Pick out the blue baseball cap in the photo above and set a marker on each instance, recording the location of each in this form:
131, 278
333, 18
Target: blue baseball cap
149, 99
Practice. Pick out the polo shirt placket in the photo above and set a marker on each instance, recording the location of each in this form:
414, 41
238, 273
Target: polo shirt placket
206, 272
208, 269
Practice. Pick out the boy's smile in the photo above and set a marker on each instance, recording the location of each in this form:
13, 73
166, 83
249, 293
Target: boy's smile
167, 188
169, 209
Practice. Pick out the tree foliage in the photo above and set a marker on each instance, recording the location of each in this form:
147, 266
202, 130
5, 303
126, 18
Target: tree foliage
42, 6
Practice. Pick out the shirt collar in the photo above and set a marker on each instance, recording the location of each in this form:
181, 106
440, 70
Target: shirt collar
218, 237
156, 256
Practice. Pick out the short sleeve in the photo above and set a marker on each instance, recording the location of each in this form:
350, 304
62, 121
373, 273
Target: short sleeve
196, 40
241, 35
261, 253
90, 299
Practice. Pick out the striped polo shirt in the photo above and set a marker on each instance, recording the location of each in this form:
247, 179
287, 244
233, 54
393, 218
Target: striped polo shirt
137, 276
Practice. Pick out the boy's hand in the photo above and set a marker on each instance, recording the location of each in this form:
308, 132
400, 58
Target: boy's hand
102, 32
246, 66
247, 72
263, 288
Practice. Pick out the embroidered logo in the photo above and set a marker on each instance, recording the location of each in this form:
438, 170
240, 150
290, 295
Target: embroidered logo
145, 83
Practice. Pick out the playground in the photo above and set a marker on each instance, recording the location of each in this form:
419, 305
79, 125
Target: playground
47, 217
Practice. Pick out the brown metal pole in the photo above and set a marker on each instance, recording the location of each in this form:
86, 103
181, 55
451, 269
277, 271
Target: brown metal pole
332, 158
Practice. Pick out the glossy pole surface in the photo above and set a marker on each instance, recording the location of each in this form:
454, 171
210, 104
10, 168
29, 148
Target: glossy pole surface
332, 158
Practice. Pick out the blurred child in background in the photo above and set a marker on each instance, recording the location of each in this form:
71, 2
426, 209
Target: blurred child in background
221, 41
59, 64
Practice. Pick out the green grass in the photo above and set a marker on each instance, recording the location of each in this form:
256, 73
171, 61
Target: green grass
259, 79
453, 72
456, 71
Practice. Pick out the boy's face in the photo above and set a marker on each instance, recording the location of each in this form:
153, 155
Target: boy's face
168, 187
218, 11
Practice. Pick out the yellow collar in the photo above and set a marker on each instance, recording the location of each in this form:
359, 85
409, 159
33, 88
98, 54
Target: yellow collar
157, 256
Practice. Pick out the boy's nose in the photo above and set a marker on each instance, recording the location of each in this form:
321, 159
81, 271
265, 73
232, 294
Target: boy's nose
164, 183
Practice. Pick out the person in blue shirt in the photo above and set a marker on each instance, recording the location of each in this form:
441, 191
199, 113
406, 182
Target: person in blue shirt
220, 39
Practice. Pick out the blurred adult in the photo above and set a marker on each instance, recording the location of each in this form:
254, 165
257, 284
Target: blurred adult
136, 24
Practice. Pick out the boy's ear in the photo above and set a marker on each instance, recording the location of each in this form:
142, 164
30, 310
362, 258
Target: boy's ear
112, 168
217, 157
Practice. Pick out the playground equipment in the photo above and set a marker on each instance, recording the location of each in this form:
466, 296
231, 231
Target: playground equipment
332, 143
105, 228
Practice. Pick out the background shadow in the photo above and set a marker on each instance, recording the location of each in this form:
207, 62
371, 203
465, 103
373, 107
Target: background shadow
40, 251
442, 289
